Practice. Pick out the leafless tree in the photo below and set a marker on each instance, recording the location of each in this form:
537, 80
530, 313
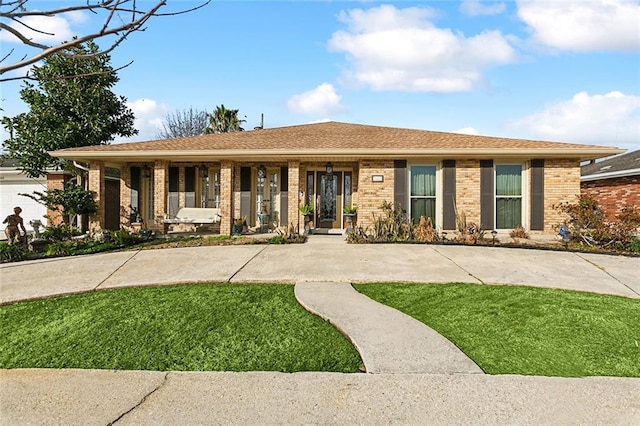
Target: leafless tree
183, 123
120, 19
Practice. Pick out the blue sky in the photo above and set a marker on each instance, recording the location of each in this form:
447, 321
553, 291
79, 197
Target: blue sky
552, 70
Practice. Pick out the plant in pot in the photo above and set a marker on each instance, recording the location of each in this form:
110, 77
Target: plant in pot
307, 212
238, 225
350, 213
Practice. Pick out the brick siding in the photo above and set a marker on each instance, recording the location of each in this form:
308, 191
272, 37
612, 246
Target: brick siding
561, 184
370, 195
614, 194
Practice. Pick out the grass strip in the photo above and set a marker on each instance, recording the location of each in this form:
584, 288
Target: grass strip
526, 330
204, 327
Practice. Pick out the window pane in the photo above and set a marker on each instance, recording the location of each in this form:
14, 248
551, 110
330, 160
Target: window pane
508, 213
423, 207
509, 180
423, 181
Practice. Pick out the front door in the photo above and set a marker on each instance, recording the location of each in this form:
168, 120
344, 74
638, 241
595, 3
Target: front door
329, 200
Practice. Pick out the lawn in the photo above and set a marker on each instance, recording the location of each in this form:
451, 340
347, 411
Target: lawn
526, 330
215, 327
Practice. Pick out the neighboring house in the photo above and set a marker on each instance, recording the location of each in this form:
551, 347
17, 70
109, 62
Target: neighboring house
13, 183
499, 183
613, 182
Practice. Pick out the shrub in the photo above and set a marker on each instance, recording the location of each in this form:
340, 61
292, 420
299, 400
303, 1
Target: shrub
62, 232
12, 252
393, 225
424, 231
124, 238
519, 232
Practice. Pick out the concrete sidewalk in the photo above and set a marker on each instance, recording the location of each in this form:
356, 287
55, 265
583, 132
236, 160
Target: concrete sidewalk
389, 397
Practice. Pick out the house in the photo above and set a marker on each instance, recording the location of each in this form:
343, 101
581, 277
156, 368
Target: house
267, 174
613, 182
14, 182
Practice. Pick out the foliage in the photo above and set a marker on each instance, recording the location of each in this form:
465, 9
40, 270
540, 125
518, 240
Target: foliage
467, 231
71, 201
350, 209
287, 236
241, 221
224, 120
519, 232
526, 330
70, 106
306, 209
203, 327
123, 237
393, 225
12, 252
183, 123
424, 232
587, 224
62, 232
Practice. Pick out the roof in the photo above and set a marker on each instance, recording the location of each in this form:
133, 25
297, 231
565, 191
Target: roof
619, 166
333, 140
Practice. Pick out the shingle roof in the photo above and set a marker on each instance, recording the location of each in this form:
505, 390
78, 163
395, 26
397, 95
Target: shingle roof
620, 163
334, 137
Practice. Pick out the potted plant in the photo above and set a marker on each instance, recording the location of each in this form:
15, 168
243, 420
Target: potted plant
238, 225
307, 212
349, 213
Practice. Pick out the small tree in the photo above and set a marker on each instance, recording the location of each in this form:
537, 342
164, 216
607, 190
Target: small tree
183, 123
69, 202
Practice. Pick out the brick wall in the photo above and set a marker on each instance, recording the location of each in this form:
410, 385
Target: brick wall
293, 196
160, 192
55, 181
370, 195
561, 183
468, 189
614, 194
227, 212
96, 185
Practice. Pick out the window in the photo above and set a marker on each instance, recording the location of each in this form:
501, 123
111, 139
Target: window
423, 193
508, 196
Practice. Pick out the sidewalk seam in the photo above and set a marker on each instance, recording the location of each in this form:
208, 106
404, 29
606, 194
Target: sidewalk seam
116, 270
144, 398
454, 262
603, 269
246, 263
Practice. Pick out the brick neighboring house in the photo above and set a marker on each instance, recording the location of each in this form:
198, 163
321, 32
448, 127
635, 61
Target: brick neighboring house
498, 182
614, 182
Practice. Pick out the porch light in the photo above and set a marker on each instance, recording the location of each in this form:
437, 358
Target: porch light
146, 171
329, 168
204, 172
493, 237
262, 171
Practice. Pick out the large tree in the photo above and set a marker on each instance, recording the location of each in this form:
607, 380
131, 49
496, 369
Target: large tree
25, 21
182, 123
224, 120
71, 105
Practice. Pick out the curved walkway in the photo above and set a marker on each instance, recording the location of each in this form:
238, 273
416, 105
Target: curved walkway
388, 340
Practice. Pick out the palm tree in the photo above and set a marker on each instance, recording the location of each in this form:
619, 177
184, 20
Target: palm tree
224, 120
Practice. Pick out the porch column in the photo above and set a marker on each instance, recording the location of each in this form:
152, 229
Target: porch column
96, 185
125, 194
293, 199
182, 196
160, 192
226, 197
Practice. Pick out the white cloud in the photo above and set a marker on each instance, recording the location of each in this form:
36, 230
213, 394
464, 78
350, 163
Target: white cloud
475, 8
580, 25
323, 100
149, 115
467, 131
51, 29
609, 119
400, 49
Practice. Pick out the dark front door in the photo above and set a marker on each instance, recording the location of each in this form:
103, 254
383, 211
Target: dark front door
329, 200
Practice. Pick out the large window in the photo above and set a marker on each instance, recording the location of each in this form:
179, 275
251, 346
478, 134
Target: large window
423, 193
508, 196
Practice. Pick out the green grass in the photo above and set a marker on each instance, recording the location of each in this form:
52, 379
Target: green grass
214, 327
525, 330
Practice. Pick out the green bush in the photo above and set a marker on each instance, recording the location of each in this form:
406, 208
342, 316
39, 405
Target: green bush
62, 232
124, 238
12, 252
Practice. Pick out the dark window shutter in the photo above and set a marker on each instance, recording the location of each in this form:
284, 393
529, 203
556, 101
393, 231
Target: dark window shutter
537, 195
400, 184
449, 194
245, 192
284, 196
486, 194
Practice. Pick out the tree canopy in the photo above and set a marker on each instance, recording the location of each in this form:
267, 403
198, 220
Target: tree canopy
224, 120
182, 123
71, 105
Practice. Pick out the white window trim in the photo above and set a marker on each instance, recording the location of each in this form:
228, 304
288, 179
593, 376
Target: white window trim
438, 197
524, 192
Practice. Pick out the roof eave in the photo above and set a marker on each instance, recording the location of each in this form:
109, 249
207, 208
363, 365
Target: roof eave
610, 175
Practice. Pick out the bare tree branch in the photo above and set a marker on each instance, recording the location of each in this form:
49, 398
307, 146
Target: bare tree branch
17, 9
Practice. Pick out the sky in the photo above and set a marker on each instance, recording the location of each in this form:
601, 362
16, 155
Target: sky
558, 70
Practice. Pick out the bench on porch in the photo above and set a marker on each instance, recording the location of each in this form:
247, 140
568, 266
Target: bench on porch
193, 216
